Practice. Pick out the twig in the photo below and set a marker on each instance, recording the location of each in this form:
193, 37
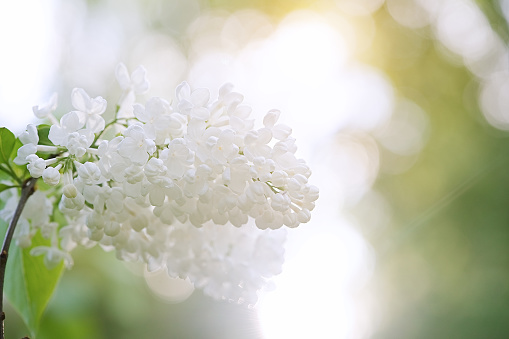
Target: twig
27, 190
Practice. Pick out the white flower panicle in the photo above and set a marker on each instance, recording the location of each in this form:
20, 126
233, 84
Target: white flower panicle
168, 187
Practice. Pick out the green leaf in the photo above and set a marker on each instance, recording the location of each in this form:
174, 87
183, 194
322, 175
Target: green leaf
4, 187
7, 140
29, 284
3, 174
43, 132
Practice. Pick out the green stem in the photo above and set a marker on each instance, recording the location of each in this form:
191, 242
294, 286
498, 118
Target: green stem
27, 190
9, 171
109, 124
274, 188
114, 121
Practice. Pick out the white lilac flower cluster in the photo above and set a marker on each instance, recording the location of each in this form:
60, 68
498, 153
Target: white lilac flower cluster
167, 188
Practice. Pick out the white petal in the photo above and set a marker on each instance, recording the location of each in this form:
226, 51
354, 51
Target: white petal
23, 152
200, 113
80, 99
264, 135
71, 122
183, 91
42, 111
200, 97
97, 106
57, 135
156, 196
95, 123
271, 118
139, 112
30, 136
243, 111
139, 80
122, 76
39, 250
225, 89
281, 132
150, 131
195, 128
157, 106
51, 176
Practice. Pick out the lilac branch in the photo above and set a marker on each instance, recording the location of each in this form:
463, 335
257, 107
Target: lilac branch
27, 190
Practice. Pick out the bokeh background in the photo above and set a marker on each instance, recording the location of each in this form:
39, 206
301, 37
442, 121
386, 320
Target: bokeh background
400, 107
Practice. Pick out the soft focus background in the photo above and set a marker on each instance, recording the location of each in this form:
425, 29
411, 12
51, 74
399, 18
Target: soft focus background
400, 107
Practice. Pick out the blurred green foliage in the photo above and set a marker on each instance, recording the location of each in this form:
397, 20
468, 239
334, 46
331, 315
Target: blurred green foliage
494, 14
443, 262
102, 298
271, 7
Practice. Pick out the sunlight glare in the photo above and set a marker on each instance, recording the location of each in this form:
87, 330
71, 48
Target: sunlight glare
299, 69
26, 61
307, 49
315, 293
462, 28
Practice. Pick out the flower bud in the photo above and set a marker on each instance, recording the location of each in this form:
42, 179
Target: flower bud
70, 191
51, 176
